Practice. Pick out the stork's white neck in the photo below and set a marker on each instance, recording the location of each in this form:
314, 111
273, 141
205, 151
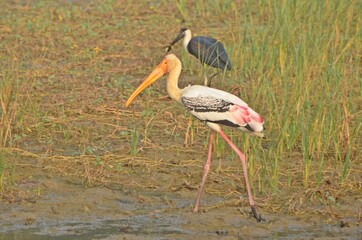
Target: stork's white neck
172, 80
187, 38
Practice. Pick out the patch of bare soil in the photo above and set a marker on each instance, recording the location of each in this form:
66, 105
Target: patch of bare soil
147, 204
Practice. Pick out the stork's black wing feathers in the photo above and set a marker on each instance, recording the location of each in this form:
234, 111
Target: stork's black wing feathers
200, 106
205, 104
209, 51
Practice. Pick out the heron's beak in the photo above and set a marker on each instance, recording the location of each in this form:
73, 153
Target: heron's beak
159, 71
179, 36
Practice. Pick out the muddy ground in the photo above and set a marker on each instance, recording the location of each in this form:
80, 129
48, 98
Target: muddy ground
154, 204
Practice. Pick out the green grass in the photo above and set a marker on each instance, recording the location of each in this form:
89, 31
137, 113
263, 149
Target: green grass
308, 85
67, 69
300, 68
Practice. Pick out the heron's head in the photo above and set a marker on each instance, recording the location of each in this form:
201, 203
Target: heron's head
183, 32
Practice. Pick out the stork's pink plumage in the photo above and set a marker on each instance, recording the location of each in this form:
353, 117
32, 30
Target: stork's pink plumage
212, 106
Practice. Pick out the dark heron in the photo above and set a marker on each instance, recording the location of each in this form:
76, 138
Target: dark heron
208, 50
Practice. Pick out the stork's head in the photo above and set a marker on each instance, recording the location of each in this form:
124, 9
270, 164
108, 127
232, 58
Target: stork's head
169, 62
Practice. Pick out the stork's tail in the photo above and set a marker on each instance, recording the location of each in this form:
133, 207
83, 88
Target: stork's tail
249, 120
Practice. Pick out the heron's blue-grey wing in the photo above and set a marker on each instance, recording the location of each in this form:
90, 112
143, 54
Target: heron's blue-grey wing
209, 51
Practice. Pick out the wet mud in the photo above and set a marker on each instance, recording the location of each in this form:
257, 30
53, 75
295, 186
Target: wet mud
63, 207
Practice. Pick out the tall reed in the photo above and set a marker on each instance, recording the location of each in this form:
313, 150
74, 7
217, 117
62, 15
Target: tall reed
302, 63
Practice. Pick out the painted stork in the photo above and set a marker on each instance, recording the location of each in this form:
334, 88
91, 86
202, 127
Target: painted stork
213, 107
208, 50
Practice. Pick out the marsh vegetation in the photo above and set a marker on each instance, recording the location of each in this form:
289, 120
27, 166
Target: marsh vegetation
67, 68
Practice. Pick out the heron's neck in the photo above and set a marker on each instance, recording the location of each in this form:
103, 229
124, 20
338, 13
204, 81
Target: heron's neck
172, 83
187, 39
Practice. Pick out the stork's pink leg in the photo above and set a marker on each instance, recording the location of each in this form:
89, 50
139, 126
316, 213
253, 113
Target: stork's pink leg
206, 171
256, 213
187, 132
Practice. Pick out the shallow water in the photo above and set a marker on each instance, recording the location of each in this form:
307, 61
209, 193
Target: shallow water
150, 223
171, 227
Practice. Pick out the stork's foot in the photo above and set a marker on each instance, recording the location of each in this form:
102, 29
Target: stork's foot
257, 214
196, 209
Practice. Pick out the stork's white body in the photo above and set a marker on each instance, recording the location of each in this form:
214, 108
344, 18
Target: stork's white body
216, 107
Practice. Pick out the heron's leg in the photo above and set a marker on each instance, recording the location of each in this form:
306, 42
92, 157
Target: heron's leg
208, 79
206, 171
256, 213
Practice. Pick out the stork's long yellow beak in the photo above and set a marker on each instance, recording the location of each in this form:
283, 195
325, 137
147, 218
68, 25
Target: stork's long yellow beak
159, 71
